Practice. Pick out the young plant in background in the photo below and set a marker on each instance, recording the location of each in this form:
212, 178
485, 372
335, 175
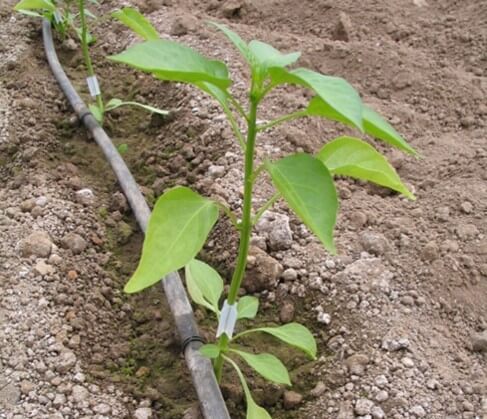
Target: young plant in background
182, 219
63, 18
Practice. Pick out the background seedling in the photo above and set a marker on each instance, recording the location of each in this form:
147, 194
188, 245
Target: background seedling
64, 17
182, 219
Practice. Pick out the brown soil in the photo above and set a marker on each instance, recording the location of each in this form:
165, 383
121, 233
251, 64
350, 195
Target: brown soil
422, 281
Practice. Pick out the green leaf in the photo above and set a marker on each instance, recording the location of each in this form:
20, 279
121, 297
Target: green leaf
247, 307
177, 229
378, 127
115, 103
267, 56
336, 92
293, 334
239, 43
210, 350
168, 60
96, 112
352, 157
254, 411
122, 148
267, 365
308, 188
137, 22
205, 285
89, 14
35, 5
373, 124
31, 13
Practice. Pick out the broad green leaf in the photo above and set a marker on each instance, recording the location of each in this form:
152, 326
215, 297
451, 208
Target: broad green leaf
254, 411
267, 56
336, 92
210, 350
177, 229
307, 186
378, 127
205, 285
267, 365
352, 157
96, 112
115, 103
239, 43
293, 334
35, 5
137, 22
247, 307
168, 60
373, 123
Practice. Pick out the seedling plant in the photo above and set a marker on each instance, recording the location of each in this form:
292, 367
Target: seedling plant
64, 16
182, 219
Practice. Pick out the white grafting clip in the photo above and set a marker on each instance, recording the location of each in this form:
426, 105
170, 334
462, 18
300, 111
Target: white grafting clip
93, 86
228, 318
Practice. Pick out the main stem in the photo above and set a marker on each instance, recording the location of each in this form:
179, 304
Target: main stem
86, 51
246, 225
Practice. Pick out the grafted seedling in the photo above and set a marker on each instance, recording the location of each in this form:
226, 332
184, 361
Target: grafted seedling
182, 219
66, 15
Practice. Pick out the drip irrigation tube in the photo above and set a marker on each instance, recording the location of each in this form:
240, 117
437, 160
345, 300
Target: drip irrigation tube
211, 400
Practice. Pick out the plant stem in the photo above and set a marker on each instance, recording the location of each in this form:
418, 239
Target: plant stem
245, 226
86, 51
272, 200
289, 117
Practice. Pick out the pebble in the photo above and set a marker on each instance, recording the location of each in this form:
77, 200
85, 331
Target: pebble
377, 413
382, 396
216, 171
85, 197
418, 411
276, 227
374, 243
42, 268
38, 244
79, 393
74, 242
407, 362
286, 314
291, 399
66, 361
263, 271
143, 413
318, 389
289, 274
363, 407
479, 341
356, 364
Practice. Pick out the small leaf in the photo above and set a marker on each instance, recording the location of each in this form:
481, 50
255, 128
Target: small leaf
210, 350
254, 411
137, 22
112, 104
205, 285
267, 365
35, 5
267, 56
96, 112
122, 148
239, 43
308, 188
352, 157
168, 60
293, 334
30, 13
378, 127
336, 92
247, 307
177, 229
89, 14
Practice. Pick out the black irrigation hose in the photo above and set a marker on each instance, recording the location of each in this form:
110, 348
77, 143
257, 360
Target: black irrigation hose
204, 381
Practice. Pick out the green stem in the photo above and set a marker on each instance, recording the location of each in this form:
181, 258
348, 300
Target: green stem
86, 51
265, 207
245, 226
289, 117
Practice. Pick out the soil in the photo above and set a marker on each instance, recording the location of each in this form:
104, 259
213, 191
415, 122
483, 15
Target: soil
399, 313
